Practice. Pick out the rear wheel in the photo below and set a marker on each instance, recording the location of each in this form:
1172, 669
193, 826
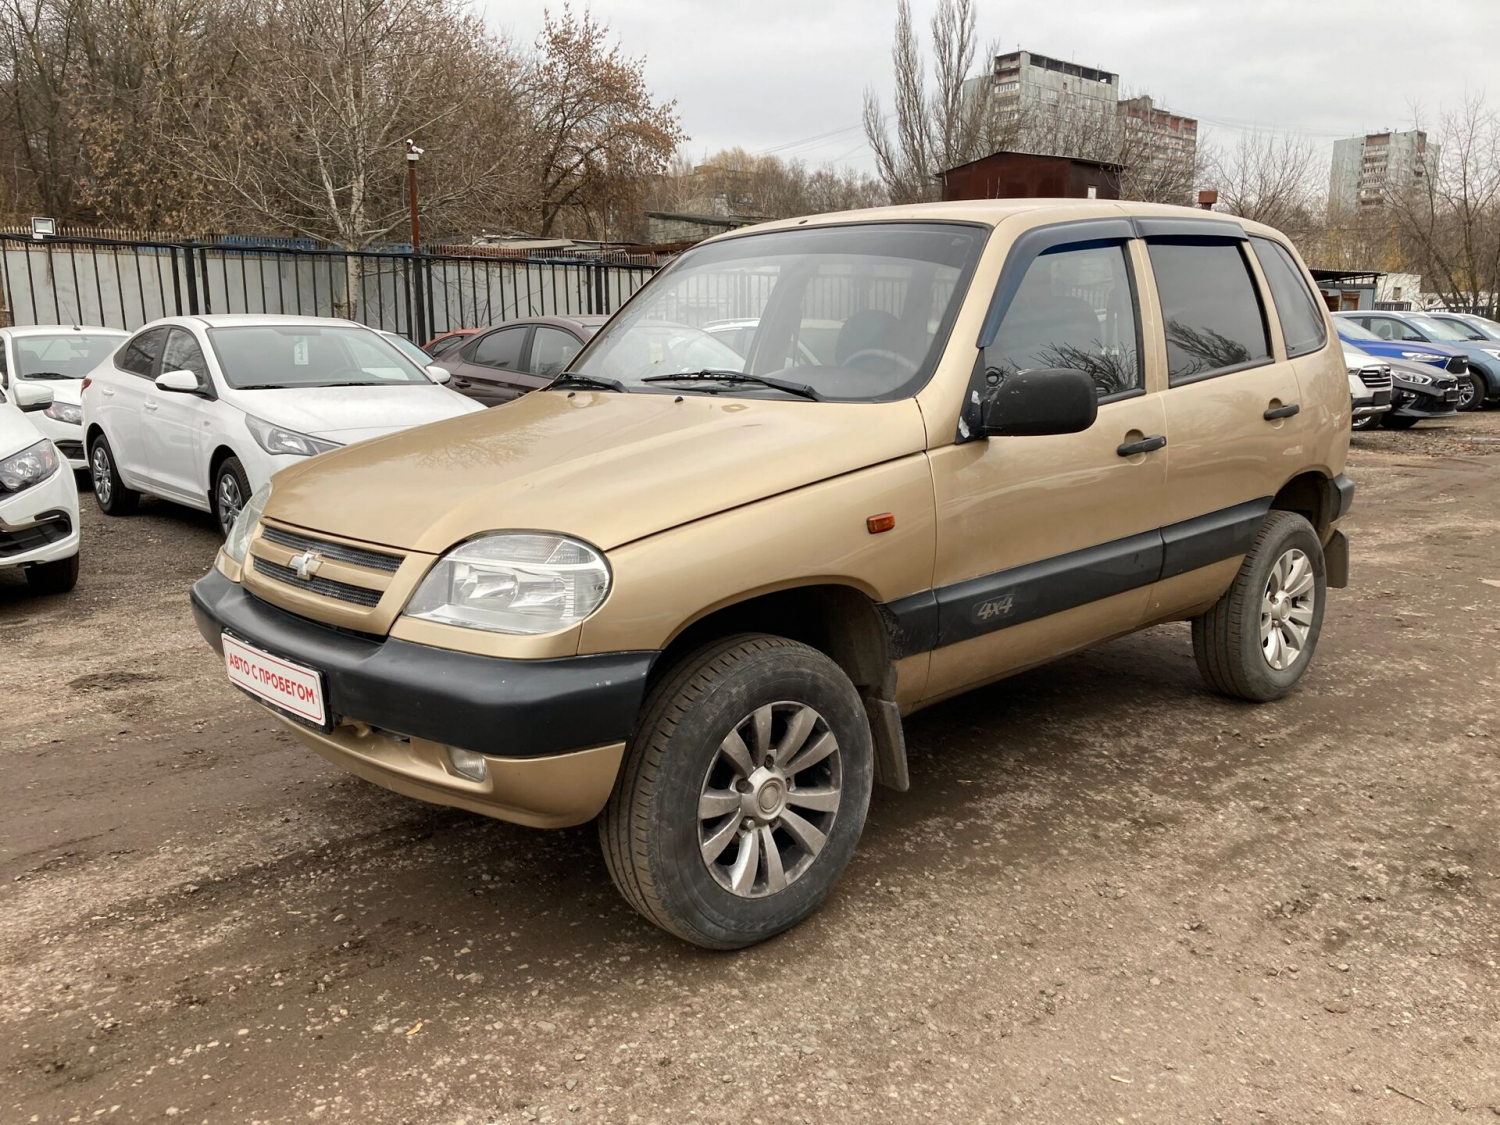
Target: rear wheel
743, 793
231, 490
1258, 639
53, 577
110, 493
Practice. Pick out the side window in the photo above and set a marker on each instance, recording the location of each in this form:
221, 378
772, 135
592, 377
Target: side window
4, 370
1302, 327
446, 344
500, 349
552, 350
139, 356
182, 353
1075, 308
1213, 319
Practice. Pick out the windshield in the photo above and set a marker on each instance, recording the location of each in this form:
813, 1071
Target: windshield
69, 355
1437, 328
1355, 331
854, 313
407, 348
263, 356
1485, 326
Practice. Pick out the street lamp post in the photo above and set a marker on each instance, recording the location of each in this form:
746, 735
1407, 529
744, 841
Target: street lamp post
413, 154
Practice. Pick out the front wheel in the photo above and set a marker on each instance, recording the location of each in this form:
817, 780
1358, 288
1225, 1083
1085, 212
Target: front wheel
1397, 422
231, 490
1471, 391
742, 794
1258, 639
1365, 422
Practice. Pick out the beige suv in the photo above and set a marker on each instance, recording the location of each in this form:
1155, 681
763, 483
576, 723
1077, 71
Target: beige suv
691, 588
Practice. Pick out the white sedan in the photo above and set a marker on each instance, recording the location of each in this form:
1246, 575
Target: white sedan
38, 496
59, 356
201, 410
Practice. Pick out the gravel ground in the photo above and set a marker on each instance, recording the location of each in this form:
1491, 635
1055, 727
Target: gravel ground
1110, 896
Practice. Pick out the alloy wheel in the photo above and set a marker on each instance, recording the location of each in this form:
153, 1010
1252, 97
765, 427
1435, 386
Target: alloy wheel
1286, 609
1467, 393
229, 501
769, 799
99, 470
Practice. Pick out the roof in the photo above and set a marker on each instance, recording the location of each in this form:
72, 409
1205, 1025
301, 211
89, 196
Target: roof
54, 329
1035, 155
239, 320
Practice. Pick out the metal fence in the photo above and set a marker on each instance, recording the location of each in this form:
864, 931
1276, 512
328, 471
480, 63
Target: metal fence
123, 283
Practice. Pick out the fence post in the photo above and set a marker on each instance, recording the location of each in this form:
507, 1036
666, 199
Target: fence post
420, 324
176, 283
192, 278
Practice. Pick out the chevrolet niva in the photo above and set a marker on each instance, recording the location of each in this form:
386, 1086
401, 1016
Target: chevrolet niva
696, 600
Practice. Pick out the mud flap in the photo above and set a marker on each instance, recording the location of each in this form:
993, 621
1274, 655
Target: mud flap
1336, 560
890, 743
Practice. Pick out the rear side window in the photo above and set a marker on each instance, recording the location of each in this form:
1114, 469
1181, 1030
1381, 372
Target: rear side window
1301, 323
501, 349
139, 356
1214, 322
1075, 308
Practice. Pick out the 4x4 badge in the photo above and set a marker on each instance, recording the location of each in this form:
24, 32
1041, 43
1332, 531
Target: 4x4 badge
995, 607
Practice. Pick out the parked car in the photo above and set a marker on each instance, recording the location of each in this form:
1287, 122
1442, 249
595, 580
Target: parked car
1419, 393
38, 497
502, 363
1370, 388
446, 341
1473, 326
201, 410
59, 356
1423, 334
696, 603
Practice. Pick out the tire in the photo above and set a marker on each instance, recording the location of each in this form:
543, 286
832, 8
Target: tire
1471, 397
1396, 422
1366, 422
231, 489
1227, 641
653, 840
54, 577
110, 493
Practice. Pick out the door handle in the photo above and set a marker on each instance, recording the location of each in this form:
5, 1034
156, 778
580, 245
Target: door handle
462, 384
148, 405
1145, 445
106, 392
1286, 411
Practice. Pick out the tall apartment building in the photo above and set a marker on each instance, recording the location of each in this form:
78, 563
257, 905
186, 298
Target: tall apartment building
1364, 168
1027, 78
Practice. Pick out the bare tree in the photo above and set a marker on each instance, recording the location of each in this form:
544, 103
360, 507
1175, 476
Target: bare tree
735, 182
1269, 179
1448, 218
958, 123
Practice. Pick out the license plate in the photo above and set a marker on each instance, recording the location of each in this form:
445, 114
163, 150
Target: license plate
293, 688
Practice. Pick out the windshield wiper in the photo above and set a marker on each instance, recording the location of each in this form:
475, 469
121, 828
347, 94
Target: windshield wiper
47, 375
802, 390
578, 379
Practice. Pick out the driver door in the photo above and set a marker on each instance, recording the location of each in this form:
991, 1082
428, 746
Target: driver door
1048, 544
489, 370
176, 424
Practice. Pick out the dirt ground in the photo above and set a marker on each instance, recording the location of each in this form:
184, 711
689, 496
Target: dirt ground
1109, 896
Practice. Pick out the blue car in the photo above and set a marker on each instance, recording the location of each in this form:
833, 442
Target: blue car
1401, 334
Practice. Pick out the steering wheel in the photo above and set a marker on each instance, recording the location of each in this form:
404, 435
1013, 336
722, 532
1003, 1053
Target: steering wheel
885, 357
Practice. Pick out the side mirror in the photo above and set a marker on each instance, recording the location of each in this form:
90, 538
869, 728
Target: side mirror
439, 374
182, 382
30, 397
1043, 400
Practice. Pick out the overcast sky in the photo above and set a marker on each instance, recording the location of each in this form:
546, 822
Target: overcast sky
787, 76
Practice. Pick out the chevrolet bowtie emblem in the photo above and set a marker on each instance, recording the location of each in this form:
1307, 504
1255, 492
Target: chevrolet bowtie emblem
306, 564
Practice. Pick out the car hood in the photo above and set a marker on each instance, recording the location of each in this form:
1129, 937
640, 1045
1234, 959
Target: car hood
350, 414
605, 467
1392, 349
16, 430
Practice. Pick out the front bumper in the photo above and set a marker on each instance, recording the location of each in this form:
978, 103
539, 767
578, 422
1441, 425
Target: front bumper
552, 731
40, 525
1378, 403
1412, 401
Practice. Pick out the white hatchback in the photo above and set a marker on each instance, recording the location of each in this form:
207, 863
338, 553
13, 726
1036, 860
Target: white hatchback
38, 496
59, 357
202, 410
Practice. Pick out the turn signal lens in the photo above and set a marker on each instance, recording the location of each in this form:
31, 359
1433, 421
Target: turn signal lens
883, 522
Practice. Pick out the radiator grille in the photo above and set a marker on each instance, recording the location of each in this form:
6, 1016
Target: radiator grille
327, 587
338, 552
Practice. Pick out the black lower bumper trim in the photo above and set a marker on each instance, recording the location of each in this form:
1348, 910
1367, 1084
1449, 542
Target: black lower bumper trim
508, 708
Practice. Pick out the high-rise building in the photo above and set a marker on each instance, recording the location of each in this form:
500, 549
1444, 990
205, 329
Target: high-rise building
1027, 79
1366, 168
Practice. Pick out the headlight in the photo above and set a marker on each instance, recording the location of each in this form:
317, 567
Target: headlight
238, 542
513, 582
32, 465
65, 412
276, 439
1421, 357
1417, 377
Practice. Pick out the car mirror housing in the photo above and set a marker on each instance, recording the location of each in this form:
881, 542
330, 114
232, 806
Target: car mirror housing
30, 397
182, 382
438, 374
1037, 402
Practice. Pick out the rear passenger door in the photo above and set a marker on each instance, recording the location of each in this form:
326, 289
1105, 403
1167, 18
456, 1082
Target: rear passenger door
122, 404
1232, 405
490, 366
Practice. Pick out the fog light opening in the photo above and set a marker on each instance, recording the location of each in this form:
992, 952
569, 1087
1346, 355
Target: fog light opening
468, 764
